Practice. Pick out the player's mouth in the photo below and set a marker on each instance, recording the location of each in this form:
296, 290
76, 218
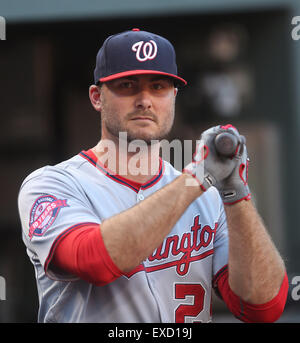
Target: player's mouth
142, 118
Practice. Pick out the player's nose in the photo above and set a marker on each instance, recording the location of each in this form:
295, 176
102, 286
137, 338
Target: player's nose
143, 100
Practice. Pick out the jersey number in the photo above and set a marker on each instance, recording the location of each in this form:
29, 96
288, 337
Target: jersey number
183, 290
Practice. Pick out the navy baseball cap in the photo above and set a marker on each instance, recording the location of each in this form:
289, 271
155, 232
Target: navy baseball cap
136, 52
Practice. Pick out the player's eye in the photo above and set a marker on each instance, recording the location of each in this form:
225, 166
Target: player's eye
161, 84
126, 85
158, 86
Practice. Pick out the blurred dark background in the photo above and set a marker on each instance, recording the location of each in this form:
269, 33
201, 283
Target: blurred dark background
242, 67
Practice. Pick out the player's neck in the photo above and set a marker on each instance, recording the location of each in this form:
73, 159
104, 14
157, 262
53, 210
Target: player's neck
135, 162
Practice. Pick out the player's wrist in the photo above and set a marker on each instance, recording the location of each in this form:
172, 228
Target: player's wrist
235, 188
235, 195
191, 182
236, 201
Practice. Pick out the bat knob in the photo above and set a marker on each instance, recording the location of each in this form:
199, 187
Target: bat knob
226, 144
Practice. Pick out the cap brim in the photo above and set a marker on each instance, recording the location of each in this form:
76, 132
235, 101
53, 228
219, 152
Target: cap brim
180, 80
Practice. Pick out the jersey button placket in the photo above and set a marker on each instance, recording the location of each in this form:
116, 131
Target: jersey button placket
140, 196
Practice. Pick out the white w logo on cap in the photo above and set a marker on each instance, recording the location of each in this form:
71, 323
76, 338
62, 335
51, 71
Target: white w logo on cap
148, 50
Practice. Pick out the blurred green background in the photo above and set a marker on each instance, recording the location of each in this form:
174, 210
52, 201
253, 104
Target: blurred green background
242, 67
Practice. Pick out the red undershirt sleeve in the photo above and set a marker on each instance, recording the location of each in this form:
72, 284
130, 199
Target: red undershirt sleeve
82, 253
250, 313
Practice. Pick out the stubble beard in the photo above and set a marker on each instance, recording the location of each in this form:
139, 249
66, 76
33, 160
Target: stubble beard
114, 126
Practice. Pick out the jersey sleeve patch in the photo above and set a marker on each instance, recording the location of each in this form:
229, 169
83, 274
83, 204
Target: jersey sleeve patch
43, 213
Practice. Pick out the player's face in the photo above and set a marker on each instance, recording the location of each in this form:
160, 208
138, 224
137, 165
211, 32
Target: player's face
143, 106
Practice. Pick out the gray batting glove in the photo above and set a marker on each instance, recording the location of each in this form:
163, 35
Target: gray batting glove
228, 174
235, 188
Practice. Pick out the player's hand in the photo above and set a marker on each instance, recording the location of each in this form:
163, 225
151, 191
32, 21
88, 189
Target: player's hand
228, 174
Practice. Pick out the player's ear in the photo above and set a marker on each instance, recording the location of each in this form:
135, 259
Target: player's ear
94, 94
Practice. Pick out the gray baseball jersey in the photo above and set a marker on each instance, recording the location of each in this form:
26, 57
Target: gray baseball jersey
174, 284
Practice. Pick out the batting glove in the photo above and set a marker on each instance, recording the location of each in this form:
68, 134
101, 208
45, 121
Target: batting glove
228, 174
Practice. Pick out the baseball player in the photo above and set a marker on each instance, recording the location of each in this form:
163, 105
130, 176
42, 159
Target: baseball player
110, 243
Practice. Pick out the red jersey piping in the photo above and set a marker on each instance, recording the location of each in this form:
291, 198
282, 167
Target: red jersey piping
135, 186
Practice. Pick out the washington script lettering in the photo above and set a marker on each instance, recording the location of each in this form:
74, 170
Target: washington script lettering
183, 246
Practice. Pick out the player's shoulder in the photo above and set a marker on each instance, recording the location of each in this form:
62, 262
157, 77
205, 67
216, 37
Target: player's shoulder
61, 170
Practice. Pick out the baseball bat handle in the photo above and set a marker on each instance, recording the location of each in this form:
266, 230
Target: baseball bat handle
226, 144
